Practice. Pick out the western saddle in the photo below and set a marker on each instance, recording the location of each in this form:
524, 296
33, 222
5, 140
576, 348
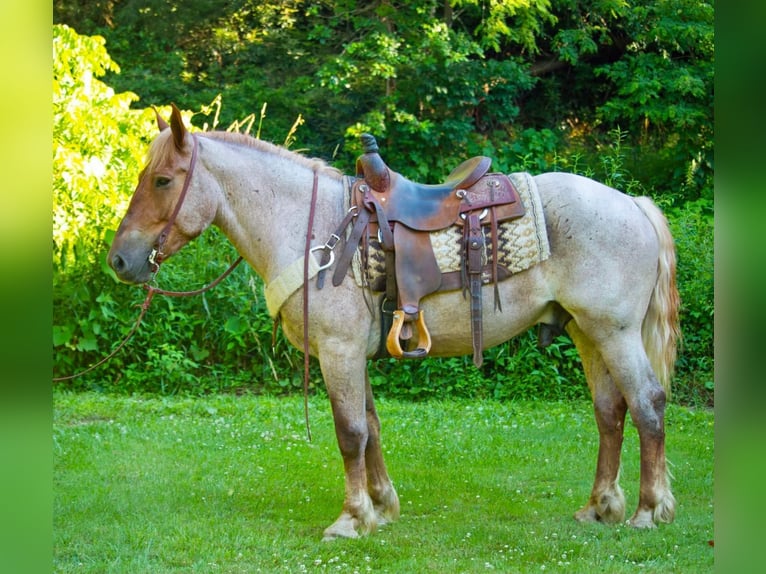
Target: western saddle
401, 214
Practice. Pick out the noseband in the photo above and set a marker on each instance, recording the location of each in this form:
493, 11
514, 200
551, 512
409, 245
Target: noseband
156, 256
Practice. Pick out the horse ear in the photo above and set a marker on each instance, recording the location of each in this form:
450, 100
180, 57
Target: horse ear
177, 127
161, 123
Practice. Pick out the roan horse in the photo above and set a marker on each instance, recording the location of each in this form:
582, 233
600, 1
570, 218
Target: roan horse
611, 269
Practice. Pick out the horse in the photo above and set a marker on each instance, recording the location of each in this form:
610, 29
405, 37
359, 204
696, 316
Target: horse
611, 270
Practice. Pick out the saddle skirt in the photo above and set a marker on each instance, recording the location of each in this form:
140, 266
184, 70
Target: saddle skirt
522, 243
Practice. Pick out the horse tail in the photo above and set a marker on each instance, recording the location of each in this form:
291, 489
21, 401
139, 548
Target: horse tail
661, 329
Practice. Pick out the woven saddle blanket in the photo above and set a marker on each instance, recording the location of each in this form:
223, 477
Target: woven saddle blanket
522, 242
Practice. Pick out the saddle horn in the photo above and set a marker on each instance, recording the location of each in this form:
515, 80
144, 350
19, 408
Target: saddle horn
371, 166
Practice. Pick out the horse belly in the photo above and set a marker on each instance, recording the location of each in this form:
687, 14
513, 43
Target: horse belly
448, 315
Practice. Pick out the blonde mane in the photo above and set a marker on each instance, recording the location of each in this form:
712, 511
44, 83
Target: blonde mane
162, 150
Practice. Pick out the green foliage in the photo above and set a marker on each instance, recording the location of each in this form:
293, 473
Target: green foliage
98, 148
430, 93
436, 79
516, 370
664, 89
99, 145
693, 229
425, 82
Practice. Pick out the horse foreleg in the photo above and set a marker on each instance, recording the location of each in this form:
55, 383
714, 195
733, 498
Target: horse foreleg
379, 484
645, 397
348, 399
607, 501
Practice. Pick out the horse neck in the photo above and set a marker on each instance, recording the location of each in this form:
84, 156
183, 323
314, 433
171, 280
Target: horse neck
265, 205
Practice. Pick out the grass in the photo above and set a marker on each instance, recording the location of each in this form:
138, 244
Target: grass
230, 484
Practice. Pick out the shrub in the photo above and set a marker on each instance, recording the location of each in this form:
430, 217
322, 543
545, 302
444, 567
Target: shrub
222, 340
98, 147
692, 226
218, 341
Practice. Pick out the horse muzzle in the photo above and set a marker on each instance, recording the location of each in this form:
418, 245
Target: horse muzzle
131, 266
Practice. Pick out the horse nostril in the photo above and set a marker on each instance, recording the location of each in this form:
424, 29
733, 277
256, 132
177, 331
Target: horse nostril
118, 263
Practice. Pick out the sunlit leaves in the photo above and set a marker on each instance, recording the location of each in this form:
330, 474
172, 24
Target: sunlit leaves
98, 147
517, 22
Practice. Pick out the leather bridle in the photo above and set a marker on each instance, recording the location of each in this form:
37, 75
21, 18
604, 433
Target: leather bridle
156, 256
155, 260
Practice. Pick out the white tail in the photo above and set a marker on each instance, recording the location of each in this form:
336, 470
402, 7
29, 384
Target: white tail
661, 330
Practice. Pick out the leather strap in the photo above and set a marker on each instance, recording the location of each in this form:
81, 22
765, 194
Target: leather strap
474, 250
306, 254
495, 257
386, 235
328, 247
151, 291
156, 257
357, 232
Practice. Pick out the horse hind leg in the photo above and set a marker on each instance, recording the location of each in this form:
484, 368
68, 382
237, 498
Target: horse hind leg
656, 502
607, 501
629, 367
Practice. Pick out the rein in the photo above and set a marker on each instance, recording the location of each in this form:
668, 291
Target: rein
151, 292
155, 259
307, 252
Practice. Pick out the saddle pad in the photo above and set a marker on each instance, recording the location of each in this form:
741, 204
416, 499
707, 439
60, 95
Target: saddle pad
522, 242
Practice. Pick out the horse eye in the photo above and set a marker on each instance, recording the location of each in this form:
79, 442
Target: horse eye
162, 181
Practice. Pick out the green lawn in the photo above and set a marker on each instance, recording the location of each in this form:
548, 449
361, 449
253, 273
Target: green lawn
230, 484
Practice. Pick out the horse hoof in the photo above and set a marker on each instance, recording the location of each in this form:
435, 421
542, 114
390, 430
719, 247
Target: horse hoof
609, 509
330, 536
586, 514
642, 519
333, 533
344, 527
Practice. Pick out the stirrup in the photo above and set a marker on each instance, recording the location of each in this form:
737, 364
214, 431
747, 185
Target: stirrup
393, 346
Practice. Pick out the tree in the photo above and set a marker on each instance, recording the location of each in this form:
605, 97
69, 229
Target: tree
615, 89
521, 80
663, 91
97, 147
98, 150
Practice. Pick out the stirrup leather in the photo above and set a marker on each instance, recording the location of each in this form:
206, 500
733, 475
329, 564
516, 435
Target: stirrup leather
424, 337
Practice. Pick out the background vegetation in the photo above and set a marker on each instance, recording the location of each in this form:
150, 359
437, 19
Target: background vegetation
614, 89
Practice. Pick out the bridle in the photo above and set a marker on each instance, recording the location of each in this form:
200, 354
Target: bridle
156, 257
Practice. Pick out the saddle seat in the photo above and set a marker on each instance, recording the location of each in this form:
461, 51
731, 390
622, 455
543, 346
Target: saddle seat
402, 213
419, 206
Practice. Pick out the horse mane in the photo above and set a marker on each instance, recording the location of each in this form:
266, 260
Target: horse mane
162, 148
270, 148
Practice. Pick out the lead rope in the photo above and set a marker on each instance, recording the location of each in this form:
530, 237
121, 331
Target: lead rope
155, 259
306, 255
144, 309
151, 291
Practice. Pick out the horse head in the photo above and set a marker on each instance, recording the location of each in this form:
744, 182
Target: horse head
166, 210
